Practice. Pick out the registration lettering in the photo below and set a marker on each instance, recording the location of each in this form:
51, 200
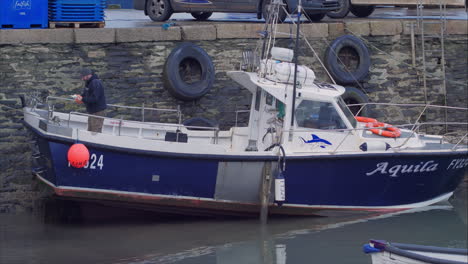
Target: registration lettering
397, 170
94, 162
457, 164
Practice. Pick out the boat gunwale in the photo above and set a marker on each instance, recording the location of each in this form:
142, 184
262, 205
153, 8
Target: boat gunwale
415, 256
413, 247
235, 157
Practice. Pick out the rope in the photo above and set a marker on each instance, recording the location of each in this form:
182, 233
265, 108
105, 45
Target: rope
401, 62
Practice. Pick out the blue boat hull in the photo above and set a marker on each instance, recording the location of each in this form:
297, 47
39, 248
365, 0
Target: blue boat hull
181, 182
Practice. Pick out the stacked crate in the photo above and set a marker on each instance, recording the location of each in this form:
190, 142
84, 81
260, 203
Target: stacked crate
23, 14
76, 11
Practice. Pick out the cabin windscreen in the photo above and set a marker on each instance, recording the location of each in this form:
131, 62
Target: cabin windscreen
349, 115
318, 115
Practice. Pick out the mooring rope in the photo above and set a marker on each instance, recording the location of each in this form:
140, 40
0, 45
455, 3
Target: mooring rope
399, 61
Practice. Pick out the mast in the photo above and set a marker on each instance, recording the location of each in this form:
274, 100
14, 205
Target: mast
296, 51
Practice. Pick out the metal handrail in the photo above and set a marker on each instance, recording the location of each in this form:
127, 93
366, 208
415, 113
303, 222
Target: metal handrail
139, 122
216, 130
237, 114
176, 126
142, 108
456, 145
350, 132
408, 105
365, 128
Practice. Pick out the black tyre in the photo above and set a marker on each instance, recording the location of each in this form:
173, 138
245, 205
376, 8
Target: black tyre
347, 59
200, 122
265, 11
315, 17
355, 96
188, 73
159, 10
201, 16
361, 11
342, 12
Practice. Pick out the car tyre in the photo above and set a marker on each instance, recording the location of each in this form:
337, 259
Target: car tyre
281, 15
361, 11
159, 10
201, 16
342, 12
315, 17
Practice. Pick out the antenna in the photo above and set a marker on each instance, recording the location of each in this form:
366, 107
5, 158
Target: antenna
296, 51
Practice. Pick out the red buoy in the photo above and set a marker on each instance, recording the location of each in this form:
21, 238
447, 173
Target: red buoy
78, 155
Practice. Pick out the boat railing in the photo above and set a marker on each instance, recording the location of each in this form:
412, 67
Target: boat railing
177, 127
120, 121
426, 108
142, 108
237, 115
412, 127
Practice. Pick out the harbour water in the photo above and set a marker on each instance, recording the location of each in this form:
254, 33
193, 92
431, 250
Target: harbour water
28, 238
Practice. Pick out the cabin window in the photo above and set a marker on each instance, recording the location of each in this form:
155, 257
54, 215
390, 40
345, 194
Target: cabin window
318, 115
258, 96
349, 115
281, 109
269, 99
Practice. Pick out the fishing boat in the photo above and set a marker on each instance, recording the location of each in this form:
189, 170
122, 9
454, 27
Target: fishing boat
393, 253
302, 145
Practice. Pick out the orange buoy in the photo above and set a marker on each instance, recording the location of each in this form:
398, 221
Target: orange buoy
78, 155
383, 129
365, 119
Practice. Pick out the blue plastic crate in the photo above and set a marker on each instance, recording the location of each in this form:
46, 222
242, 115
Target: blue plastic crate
23, 14
76, 10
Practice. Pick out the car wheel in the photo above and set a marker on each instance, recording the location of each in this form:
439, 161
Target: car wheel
265, 11
201, 16
342, 12
159, 10
361, 11
315, 17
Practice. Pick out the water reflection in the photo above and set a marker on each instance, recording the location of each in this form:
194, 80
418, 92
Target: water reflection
324, 240
145, 239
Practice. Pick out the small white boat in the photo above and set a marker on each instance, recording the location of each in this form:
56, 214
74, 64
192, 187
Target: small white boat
383, 252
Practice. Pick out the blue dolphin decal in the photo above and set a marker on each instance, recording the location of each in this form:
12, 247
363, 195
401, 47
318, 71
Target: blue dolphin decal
316, 139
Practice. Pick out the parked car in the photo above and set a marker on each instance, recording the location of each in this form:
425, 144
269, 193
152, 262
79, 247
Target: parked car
161, 10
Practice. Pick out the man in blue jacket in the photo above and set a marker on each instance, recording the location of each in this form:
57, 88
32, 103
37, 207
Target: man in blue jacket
94, 99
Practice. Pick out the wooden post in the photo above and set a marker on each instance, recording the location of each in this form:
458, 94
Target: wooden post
265, 192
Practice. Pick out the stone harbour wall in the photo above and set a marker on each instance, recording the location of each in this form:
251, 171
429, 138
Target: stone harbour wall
130, 63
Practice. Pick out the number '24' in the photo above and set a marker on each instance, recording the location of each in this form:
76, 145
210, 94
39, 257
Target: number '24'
94, 162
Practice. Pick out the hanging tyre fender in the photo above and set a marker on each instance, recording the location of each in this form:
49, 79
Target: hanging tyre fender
355, 96
188, 73
334, 66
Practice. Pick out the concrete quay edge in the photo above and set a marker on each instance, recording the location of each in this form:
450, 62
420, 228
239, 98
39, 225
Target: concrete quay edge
217, 31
